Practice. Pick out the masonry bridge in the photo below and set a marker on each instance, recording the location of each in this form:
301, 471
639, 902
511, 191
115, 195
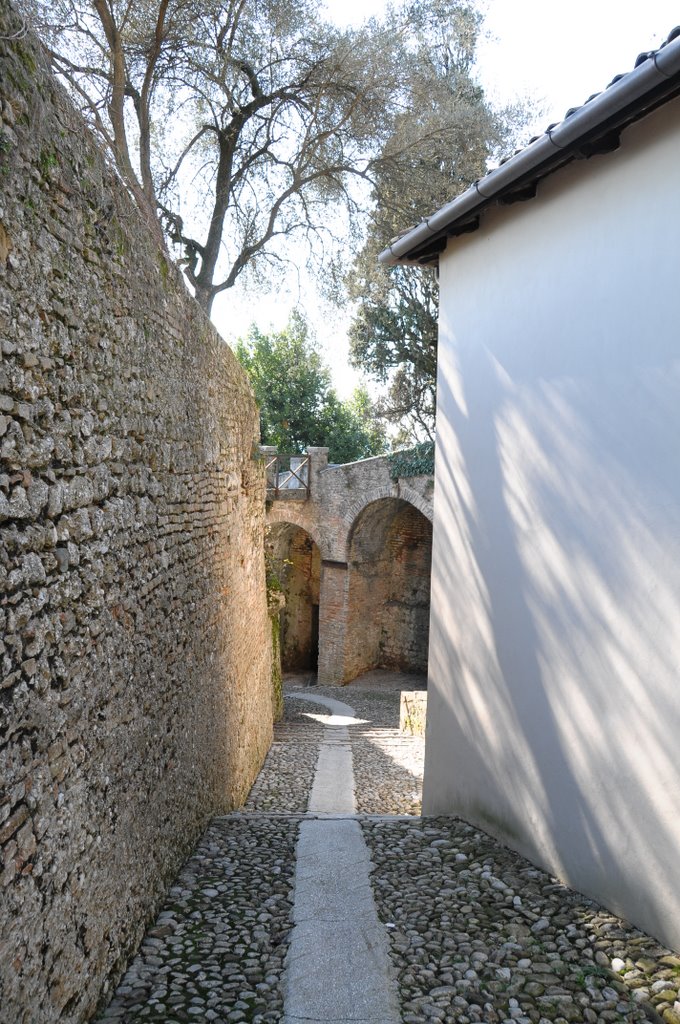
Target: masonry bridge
352, 547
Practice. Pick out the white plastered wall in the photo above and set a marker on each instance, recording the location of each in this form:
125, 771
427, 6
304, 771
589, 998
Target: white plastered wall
554, 705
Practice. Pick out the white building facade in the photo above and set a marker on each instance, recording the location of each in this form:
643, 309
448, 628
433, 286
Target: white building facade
554, 689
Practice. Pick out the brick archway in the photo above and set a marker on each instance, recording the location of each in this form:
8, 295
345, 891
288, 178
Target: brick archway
329, 512
388, 588
301, 515
295, 558
401, 492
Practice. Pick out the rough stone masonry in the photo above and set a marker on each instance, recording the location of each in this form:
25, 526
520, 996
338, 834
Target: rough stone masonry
135, 687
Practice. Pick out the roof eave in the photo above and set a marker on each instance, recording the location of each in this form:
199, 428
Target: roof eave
589, 129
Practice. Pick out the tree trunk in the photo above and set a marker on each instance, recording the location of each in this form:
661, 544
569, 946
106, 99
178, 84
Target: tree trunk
204, 296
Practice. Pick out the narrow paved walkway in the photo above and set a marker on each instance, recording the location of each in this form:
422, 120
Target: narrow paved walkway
327, 898
338, 966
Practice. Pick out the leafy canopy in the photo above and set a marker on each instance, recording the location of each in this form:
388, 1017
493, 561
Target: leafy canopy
236, 124
298, 406
441, 143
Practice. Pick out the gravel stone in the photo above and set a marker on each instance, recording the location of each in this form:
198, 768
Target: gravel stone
286, 778
209, 917
548, 960
388, 766
478, 935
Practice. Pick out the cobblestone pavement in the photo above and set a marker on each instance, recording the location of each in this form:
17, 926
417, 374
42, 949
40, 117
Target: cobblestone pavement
477, 933
216, 950
388, 767
286, 778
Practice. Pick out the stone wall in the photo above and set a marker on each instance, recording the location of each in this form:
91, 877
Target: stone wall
374, 534
135, 692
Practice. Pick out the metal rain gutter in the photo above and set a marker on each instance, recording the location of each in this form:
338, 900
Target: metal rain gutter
662, 66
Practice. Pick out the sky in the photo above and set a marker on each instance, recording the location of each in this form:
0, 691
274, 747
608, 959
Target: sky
553, 52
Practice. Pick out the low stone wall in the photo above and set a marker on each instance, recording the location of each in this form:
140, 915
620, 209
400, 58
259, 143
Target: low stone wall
135, 695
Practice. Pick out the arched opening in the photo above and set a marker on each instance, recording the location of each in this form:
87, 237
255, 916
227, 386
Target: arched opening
390, 559
296, 562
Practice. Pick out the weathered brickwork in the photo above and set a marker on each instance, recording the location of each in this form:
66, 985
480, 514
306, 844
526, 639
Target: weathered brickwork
135, 688
298, 562
374, 535
389, 589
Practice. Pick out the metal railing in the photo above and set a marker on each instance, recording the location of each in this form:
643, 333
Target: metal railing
288, 476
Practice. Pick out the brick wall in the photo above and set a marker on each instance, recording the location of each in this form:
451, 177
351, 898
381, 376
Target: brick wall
389, 589
135, 694
406, 615
297, 562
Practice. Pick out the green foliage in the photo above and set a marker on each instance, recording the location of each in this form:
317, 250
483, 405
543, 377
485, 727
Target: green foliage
298, 406
416, 461
588, 971
164, 268
272, 580
275, 602
441, 143
5, 150
277, 674
47, 161
26, 58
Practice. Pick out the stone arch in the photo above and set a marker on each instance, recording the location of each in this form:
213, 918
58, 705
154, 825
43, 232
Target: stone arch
417, 500
354, 509
389, 561
296, 561
397, 491
294, 514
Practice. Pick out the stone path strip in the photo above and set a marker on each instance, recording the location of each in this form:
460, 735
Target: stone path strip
388, 766
473, 931
338, 966
333, 786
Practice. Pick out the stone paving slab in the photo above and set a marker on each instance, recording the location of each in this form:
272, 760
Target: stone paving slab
338, 966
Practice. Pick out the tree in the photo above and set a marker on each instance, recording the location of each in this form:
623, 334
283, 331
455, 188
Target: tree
394, 338
298, 406
232, 122
442, 143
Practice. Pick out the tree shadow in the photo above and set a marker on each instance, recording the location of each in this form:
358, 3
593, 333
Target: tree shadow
555, 718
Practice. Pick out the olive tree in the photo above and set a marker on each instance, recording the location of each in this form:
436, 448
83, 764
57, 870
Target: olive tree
232, 122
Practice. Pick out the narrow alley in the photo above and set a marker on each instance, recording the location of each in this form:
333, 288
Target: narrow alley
328, 898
